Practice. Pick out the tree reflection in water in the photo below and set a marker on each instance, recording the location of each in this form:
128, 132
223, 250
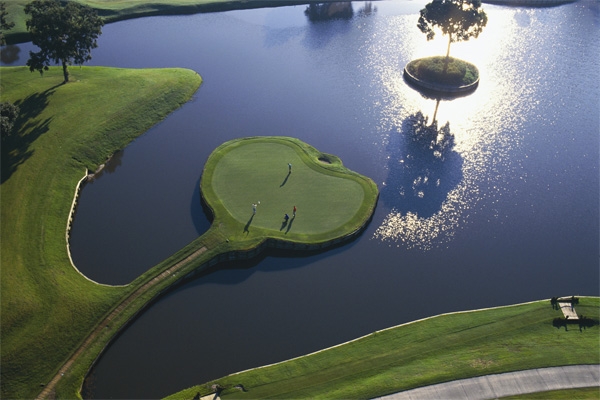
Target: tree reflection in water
328, 11
423, 169
337, 10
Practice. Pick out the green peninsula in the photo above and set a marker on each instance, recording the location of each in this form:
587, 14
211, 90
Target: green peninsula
54, 321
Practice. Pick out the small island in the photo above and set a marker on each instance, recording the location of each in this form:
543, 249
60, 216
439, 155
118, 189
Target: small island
460, 20
458, 76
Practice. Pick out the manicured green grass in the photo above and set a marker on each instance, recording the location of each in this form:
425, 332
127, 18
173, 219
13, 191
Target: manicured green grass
434, 70
331, 200
47, 308
438, 349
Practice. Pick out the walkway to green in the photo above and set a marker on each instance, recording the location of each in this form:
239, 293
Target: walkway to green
234, 163
97, 333
508, 384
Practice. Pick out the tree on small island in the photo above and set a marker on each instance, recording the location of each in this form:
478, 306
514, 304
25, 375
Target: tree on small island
459, 19
65, 34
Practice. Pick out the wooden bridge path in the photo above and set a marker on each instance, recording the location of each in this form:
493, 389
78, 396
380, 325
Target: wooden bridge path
568, 310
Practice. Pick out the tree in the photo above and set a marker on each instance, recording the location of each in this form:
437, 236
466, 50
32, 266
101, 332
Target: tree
4, 26
459, 19
8, 115
64, 34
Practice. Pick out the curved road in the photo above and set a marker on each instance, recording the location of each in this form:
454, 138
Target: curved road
507, 384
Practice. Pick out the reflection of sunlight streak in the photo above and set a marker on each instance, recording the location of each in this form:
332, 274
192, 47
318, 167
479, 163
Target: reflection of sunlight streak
485, 124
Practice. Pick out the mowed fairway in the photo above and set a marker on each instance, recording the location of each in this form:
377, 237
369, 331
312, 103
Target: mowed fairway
255, 171
47, 308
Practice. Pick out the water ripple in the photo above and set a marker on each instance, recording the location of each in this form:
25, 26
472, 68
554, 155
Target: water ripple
488, 125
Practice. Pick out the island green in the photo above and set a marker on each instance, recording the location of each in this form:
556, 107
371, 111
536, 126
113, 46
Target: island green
252, 183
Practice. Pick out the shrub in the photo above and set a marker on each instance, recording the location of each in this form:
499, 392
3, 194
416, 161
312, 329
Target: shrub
457, 72
8, 115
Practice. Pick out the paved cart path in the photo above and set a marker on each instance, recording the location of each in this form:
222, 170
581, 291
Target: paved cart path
500, 385
507, 384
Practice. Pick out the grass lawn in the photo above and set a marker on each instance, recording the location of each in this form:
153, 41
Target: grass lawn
109, 9
434, 350
47, 307
115, 10
331, 201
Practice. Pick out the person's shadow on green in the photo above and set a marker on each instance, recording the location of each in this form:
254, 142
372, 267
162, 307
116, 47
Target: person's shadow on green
286, 179
247, 227
290, 224
286, 218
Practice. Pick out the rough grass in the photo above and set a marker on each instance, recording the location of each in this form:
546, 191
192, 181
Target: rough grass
331, 200
435, 350
434, 70
47, 308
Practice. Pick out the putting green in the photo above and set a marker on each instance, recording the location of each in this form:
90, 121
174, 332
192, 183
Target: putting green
331, 200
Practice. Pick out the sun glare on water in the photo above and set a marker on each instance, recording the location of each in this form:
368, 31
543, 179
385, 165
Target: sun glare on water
485, 124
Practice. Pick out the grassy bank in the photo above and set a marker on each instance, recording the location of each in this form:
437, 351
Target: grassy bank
331, 200
47, 308
113, 11
438, 349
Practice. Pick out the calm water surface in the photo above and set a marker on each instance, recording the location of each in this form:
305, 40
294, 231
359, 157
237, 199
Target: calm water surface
509, 215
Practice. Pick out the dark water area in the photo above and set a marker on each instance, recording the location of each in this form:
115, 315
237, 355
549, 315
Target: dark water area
508, 214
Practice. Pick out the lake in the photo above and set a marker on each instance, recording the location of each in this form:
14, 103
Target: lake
509, 214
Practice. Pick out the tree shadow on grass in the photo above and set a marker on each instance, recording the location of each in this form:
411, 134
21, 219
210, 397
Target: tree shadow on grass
583, 323
16, 147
